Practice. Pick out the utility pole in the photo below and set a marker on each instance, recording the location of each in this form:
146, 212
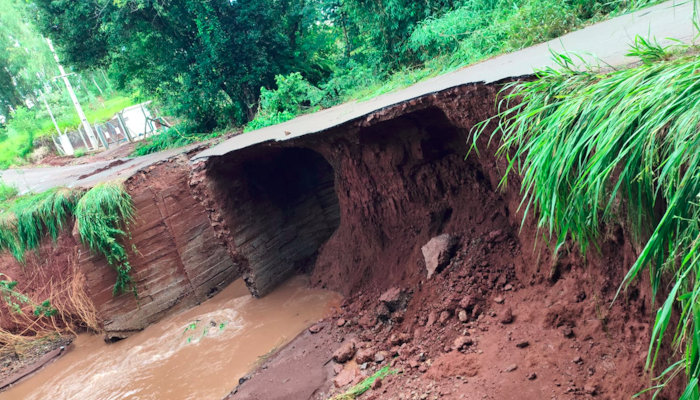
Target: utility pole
81, 114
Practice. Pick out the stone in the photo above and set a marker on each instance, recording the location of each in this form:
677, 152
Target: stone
367, 321
438, 252
461, 342
511, 368
364, 355
432, 317
531, 376
316, 328
523, 344
590, 389
383, 312
577, 360
499, 300
395, 299
345, 377
508, 287
380, 356
462, 315
344, 352
567, 332
507, 316
340, 322
444, 316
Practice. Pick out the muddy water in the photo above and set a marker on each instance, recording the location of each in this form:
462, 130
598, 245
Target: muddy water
199, 354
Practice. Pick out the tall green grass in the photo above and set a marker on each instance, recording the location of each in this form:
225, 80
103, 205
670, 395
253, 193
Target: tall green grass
103, 214
593, 147
26, 220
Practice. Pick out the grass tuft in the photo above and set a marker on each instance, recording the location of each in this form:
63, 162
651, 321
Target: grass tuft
25, 220
594, 147
103, 215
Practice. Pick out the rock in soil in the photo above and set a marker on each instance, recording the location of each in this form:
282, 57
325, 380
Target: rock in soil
511, 368
364, 355
316, 328
395, 299
438, 252
507, 317
345, 352
461, 342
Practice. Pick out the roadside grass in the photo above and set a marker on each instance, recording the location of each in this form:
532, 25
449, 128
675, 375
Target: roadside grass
595, 148
170, 139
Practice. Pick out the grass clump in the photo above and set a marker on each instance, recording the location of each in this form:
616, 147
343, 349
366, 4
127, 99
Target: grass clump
24, 221
594, 147
359, 389
103, 215
170, 139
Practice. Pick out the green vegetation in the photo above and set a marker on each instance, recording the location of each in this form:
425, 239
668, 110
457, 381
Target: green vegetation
596, 147
218, 63
79, 153
15, 300
469, 33
170, 139
7, 192
357, 390
18, 136
102, 213
25, 220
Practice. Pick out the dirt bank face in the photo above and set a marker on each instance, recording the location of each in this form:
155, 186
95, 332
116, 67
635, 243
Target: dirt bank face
401, 179
176, 260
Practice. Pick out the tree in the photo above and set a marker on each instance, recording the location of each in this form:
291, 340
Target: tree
207, 59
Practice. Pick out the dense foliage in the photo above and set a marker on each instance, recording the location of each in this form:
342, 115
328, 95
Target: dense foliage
207, 61
594, 148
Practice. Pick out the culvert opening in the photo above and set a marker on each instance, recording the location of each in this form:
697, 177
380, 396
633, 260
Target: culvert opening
282, 209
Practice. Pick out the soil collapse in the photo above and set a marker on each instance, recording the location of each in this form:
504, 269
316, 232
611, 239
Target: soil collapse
443, 281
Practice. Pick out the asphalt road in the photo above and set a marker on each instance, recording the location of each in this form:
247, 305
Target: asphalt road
607, 41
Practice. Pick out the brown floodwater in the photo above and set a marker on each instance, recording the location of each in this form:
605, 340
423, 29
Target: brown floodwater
198, 354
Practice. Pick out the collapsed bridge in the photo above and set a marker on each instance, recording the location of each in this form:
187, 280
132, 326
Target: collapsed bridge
347, 195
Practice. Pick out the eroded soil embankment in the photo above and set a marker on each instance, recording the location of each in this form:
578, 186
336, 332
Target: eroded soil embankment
400, 179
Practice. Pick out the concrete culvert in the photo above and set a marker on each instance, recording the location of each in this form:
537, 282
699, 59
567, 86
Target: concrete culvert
281, 207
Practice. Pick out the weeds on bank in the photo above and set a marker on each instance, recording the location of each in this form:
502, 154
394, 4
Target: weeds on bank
595, 147
359, 389
103, 215
64, 306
